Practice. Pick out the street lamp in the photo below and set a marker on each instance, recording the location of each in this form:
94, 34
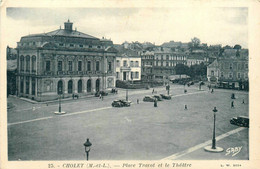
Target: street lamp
60, 100
87, 145
213, 148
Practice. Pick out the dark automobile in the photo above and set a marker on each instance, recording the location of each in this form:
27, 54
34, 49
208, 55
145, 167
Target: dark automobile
149, 99
121, 103
242, 121
201, 83
167, 97
103, 93
190, 83
158, 97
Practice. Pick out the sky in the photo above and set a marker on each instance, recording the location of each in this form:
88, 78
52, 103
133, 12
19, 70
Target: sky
226, 26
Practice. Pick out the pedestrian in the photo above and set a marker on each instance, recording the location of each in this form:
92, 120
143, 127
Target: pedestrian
185, 107
155, 102
185, 91
137, 101
73, 96
100, 96
153, 91
212, 90
209, 87
232, 104
243, 101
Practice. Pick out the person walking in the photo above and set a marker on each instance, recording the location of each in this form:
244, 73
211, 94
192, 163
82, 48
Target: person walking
232, 104
153, 91
155, 102
137, 101
185, 107
212, 90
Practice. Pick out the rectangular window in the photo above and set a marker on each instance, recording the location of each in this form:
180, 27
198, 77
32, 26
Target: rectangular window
230, 66
117, 63
167, 57
70, 65
79, 65
132, 63
132, 75
136, 75
98, 47
212, 73
48, 65
167, 63
117, 75
246, 65
136, 64
81, 46
90, 46
71, 45
238, 75
109, 66
61, 44
230, 75
59, 65
97, 65
125, 63
89, 66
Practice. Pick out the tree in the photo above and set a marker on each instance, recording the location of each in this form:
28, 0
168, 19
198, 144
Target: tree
237, 47
195, 42
181, 69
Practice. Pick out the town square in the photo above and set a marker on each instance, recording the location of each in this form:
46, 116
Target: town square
99, 90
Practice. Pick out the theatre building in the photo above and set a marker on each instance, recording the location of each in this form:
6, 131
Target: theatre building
66, 62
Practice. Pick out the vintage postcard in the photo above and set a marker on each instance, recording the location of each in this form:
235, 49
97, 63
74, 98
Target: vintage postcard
129, 84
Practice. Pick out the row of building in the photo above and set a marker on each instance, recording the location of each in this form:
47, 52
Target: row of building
66, 61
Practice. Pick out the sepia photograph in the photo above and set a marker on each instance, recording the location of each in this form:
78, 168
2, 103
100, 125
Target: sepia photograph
127, 83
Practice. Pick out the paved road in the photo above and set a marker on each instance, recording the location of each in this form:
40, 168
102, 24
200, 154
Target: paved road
139, 132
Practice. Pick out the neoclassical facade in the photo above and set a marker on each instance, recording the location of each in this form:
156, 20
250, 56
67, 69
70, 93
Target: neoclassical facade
64, 61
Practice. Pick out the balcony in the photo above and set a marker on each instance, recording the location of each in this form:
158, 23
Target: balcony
61, 72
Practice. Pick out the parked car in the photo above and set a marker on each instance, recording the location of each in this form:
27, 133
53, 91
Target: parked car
190, 83
148, 99
121, 103
201, 83
167, 97
103, 93
242, 121
158, 97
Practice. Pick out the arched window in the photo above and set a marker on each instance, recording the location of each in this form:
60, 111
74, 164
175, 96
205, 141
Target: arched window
21, 85
60, 87
27, 63
89, 85
22, 63
33, 63
70, 86
80, 86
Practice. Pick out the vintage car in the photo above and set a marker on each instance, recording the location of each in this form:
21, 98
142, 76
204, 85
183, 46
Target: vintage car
103, 93
158, 97
165, 96
149, 99
121, 103
242, 121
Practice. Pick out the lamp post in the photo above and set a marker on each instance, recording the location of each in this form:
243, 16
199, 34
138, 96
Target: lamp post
87, 145
60, 100
214, 129
213, 148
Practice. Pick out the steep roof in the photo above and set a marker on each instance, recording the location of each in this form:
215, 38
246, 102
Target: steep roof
63, 32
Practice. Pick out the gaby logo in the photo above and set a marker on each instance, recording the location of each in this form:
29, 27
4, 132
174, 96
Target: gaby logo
233, 151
